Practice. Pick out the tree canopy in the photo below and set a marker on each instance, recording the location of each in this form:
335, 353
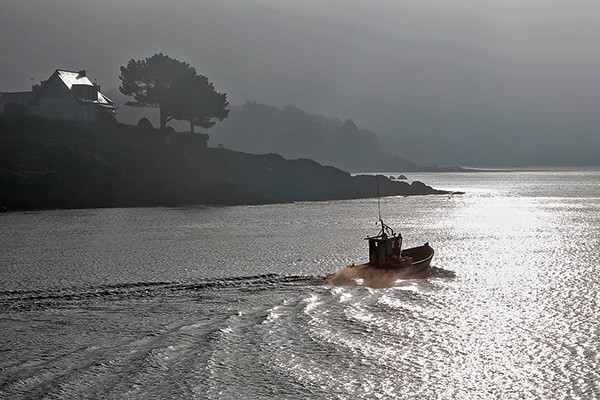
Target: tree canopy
175, 88
193, 98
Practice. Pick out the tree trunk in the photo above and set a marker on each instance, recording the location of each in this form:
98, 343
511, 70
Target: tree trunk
163, 118
192, 126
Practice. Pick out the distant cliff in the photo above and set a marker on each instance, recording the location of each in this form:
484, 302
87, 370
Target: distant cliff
50, 164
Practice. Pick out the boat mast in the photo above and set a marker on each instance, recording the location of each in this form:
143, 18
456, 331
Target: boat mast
386, 244
385, 230
378, 200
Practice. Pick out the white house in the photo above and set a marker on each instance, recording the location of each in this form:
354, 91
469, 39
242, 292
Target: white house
66, 95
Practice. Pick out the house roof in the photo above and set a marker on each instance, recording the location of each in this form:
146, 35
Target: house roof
70, 78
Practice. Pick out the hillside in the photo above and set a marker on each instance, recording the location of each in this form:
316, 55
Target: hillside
294, 133
49, 164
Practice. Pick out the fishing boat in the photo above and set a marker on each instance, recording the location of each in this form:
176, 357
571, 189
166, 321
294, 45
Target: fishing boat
387, 263
385, 252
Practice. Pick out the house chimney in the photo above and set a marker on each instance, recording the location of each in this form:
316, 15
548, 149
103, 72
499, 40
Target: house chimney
82, 73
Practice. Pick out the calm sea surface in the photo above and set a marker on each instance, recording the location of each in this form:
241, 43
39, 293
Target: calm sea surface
226, 302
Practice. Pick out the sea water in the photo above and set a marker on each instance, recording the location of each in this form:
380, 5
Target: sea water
227, 302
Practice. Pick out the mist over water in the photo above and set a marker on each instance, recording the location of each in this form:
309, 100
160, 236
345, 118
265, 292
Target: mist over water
510, 83
227, 302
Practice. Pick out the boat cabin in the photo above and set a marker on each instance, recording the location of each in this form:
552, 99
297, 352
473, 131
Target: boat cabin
384, 249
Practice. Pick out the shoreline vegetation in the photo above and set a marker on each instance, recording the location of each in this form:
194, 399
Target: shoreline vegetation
50, 164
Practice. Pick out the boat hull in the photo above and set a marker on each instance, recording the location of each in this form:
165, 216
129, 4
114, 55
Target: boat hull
421, 256
414, 263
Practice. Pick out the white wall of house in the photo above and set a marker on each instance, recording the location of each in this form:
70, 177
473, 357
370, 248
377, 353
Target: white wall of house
57, 102
56, 108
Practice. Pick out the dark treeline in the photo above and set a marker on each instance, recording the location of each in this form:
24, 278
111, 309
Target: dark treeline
293, 133
47, 164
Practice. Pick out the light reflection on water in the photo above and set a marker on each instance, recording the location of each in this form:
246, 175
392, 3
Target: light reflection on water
175, 303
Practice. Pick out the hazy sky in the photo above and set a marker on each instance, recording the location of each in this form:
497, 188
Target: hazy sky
430, 65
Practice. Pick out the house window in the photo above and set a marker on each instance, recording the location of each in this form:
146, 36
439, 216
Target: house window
85, 92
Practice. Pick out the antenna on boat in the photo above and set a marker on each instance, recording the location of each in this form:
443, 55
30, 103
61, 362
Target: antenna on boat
378, 200
385, 230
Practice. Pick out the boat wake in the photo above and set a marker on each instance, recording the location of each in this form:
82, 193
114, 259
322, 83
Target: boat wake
365, 275
290, 336
27, 300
